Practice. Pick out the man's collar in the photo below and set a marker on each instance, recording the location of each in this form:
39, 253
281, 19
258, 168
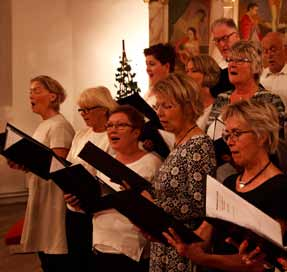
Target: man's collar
282, 72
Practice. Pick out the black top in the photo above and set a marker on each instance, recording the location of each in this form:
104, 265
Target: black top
270, 197
223, 84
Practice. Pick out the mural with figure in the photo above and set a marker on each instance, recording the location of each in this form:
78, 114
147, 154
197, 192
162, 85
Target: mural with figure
264, 16
189, 27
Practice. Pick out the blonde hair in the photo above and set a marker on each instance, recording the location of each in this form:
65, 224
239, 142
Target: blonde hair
262, 118
97, 96
183, 90
52, 86
208, 67
253, 52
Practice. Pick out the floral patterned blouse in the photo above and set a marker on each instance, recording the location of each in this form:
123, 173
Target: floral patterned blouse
179, 188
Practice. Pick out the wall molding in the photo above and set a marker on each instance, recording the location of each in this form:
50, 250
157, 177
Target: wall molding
13, 197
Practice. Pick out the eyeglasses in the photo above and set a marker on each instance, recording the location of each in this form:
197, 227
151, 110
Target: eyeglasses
272, 50
118, 126
193, 70
87, 110
234, 135
164, 106
238, 61
224, 38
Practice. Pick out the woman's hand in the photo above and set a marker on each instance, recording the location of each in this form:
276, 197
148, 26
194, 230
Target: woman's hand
147, 195
149, 237
193, 251
250, 256
73, 201
235, 263
174, 240
148, 145
16, 166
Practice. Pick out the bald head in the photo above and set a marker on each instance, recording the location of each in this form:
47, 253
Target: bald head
273, 51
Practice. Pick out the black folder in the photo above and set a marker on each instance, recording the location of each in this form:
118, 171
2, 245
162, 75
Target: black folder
130, 203
150, 130
76, 180
26, 151
147, 216
220, 146
141, 105
112, 168
239, 234
242, 220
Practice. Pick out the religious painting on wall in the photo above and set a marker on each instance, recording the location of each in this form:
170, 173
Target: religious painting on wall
189, 27
158, 21
256, 18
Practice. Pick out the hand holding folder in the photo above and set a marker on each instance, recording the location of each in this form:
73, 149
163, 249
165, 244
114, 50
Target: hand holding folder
22, 149
142, 212
147, 216
76, 180
241, 220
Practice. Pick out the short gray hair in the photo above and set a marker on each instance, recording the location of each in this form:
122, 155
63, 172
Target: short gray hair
183, 90
97, 96
253, 51
224, 21
261, 117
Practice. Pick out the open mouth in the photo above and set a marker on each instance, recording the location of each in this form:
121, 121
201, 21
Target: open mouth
271, 62
233, 73
225, 50
114, 139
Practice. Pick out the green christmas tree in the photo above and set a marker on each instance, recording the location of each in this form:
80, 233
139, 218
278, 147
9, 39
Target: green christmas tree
126, 85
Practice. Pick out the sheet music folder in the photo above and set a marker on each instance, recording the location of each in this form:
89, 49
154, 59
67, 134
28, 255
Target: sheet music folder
240, 220
149, 217
150, 129
21, 148
111, 167
76, 180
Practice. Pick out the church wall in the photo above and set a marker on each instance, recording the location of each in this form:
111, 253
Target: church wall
76, 42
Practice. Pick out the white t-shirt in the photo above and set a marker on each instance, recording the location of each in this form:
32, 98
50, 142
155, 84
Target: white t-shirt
112, 231
44, 226
100, 139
